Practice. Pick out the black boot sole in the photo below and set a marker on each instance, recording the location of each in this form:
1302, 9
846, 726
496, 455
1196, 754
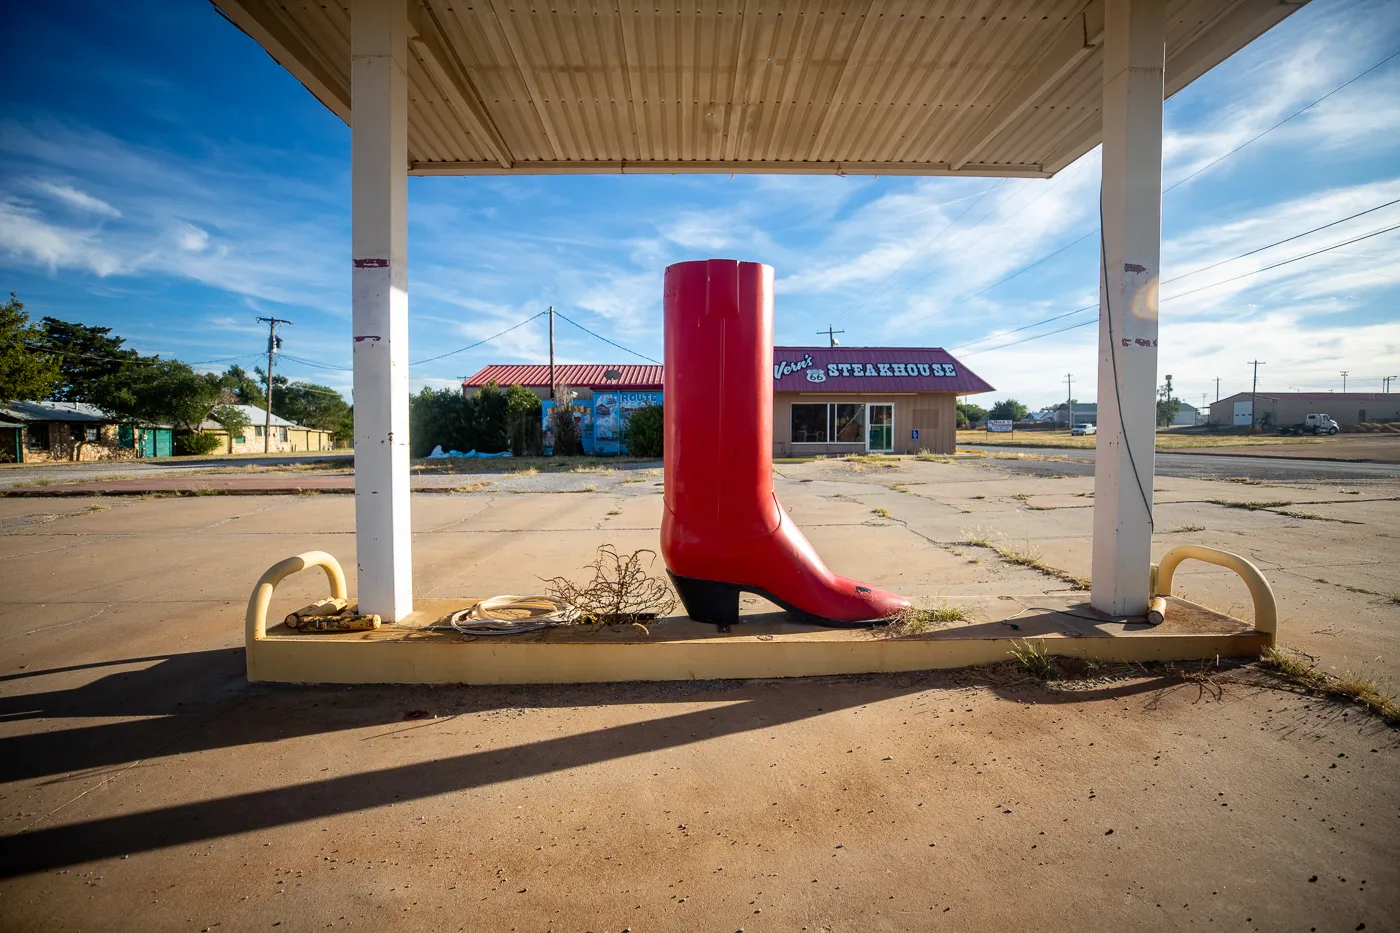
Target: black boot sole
717, 603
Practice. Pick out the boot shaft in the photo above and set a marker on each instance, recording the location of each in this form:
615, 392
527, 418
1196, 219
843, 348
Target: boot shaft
719, 396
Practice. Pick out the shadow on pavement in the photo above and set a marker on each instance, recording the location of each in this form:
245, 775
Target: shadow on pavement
187, 693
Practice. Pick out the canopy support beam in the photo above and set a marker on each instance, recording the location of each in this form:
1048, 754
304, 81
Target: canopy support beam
379, 297
1131, 206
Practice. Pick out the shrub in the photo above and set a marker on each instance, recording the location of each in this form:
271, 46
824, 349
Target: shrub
197, 444
645, 431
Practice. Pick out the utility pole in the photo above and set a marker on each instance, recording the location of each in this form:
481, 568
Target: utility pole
1387, 384
831, 335
1254, 394
551, 353
1069, 400
1217, 388
1344, 380
274, 343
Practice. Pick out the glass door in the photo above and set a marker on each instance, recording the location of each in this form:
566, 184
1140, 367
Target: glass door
880, 435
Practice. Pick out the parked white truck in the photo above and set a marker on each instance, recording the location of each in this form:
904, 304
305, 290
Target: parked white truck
1312, 424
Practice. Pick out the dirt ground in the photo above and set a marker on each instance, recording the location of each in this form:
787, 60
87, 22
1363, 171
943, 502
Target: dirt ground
1384, 448
145, 785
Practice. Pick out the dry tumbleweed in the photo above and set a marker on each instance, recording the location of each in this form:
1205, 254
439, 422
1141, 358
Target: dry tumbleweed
620, 592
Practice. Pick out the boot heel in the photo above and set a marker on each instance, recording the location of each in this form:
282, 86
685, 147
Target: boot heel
708, 601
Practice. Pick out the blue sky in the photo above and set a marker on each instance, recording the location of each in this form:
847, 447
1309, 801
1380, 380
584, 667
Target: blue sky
162, 176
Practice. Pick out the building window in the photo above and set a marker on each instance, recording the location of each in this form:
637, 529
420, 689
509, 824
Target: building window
809, 424
282, 435
832, 423
90, 433
36, 437
126, 437
850, 424
257, 430
240, 439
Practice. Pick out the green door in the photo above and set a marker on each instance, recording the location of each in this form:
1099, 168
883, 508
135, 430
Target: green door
880, 438
148, 442
165, 442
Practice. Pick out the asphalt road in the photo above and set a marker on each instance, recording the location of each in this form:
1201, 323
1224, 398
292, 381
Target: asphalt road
135, 469
1079, 462
1060, 461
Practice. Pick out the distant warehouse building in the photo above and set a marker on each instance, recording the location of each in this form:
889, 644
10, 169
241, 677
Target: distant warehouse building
1278, 408
826, 400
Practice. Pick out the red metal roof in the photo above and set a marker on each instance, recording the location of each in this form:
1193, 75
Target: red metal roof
872, 369
585, 376
808, 369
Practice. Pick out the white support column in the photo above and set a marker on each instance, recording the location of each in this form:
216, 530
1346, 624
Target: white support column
1134, 56
379, 235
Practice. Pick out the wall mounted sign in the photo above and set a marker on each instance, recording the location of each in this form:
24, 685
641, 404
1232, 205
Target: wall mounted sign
864, 369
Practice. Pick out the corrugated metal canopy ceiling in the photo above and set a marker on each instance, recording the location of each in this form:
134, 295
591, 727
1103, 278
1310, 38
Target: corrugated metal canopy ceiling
979, 87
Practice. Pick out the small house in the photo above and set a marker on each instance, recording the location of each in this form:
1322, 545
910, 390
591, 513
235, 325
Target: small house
75, 431
285, 437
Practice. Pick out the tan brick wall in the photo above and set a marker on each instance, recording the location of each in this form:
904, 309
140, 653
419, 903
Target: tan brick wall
64, 449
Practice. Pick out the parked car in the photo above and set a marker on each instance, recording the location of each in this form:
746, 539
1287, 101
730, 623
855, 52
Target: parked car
1080, 430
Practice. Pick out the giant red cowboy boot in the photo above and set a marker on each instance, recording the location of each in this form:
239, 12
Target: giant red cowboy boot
724, 530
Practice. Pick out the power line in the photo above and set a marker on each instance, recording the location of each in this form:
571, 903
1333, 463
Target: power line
1325, 249
144, 361
1172, 187
1284, 120
1029, 339
473, 346
1298, 236
606, 340
1203, 269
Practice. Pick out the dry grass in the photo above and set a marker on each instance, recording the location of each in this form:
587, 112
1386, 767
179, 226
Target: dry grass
897, 487
1313, 516
881, 511
1301, 671
1021, 555
914, 621
1041, 508
621, 590
1168, 440
1256, 506
1185, 529
615, 511
929, 456
1034, 660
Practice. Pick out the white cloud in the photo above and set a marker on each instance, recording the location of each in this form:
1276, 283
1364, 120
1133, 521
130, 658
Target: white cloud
27, 238
192, 239
74, 198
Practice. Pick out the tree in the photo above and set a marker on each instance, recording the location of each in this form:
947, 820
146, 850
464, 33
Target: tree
154, 391
970, 414
522, 420
312, 406
243, 387
1167, 407
644, 433
562, 423
24, 374
84, 355
1008, 409
231, 419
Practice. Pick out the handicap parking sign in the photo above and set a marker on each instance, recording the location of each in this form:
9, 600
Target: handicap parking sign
914, 434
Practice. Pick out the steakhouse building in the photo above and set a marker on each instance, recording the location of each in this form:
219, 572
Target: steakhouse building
826, 400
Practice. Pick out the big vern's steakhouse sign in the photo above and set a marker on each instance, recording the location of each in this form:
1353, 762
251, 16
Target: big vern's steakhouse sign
817, 374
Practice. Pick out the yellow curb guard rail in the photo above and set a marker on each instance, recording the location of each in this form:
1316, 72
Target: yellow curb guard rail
262, 593
1265, 610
